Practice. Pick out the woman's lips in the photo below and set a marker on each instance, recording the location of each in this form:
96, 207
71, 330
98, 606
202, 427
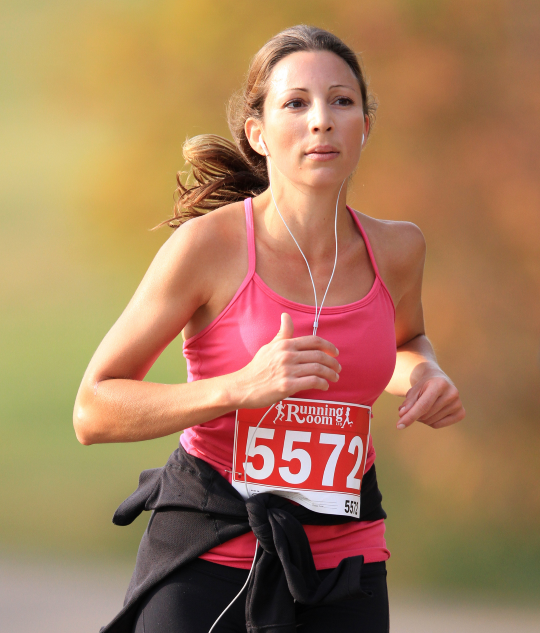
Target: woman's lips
322, 155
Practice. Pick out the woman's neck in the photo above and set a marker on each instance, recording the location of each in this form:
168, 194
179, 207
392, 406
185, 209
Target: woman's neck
309, 214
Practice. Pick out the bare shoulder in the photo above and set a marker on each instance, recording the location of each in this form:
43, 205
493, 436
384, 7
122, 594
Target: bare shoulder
210, 233
399, 249
204, 242
397, 242
203, 256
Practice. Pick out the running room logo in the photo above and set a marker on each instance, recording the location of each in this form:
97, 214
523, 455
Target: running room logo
308, 414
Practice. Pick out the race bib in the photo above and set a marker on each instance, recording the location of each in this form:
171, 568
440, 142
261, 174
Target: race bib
309, 451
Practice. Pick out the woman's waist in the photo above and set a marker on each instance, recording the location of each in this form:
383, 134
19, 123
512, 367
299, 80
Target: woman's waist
329, 544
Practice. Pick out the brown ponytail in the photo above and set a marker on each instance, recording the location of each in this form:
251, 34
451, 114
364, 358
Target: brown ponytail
225, 172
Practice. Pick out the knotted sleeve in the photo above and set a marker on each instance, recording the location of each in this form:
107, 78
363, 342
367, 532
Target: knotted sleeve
136, 503
285, 571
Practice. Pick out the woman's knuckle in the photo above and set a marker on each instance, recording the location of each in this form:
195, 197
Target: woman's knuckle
284, 384
286, 357
282, 346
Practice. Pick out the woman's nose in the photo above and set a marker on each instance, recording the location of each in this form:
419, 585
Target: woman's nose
320, 118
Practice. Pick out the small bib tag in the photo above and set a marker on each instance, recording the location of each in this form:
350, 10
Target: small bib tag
309, 451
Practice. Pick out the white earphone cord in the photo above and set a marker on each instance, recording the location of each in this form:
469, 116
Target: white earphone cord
317, 312
244, 586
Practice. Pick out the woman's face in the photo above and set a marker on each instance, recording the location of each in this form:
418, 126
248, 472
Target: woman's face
313, 119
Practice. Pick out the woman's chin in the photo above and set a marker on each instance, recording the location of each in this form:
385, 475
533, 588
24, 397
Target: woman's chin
326, 179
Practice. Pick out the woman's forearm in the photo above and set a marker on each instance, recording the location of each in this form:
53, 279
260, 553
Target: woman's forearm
415, 359
122, 410
127, 410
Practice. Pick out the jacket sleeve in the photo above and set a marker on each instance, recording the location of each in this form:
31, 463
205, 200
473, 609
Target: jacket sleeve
141, 499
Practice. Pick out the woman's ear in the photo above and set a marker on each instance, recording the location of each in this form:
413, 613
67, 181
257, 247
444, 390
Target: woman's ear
365, 132
253, 131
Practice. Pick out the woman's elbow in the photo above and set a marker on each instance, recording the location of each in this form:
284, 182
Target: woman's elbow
84, 428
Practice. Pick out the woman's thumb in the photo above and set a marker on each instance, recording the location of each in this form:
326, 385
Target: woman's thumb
287, 328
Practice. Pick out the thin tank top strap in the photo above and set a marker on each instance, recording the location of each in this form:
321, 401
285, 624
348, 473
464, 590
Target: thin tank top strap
248, 208
366, 241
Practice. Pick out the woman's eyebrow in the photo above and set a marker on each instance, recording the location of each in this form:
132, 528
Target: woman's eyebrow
333, 86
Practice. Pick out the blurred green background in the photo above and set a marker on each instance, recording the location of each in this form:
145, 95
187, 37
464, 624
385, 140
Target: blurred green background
97, 99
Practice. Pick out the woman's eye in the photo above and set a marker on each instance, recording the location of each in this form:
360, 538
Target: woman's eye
343, 101
294, 103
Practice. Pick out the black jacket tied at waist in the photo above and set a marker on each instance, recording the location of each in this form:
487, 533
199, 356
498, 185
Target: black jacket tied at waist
196, 509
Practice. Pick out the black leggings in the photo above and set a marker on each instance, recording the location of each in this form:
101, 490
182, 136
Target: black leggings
191, 599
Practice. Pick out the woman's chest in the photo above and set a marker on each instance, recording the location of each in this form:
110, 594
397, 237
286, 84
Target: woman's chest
289, 276
363, 332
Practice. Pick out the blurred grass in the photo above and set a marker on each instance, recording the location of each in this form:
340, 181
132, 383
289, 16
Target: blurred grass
61, 495
96, 99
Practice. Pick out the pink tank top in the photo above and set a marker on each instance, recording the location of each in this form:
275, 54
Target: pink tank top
363, 332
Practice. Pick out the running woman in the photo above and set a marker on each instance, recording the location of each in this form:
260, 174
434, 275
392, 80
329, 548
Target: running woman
291, 304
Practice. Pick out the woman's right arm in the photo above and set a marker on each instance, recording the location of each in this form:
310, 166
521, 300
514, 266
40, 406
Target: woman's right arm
115, 405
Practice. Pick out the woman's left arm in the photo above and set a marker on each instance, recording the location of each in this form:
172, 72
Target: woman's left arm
430, 396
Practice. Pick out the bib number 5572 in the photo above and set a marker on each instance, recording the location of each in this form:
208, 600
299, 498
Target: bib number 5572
301, 457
